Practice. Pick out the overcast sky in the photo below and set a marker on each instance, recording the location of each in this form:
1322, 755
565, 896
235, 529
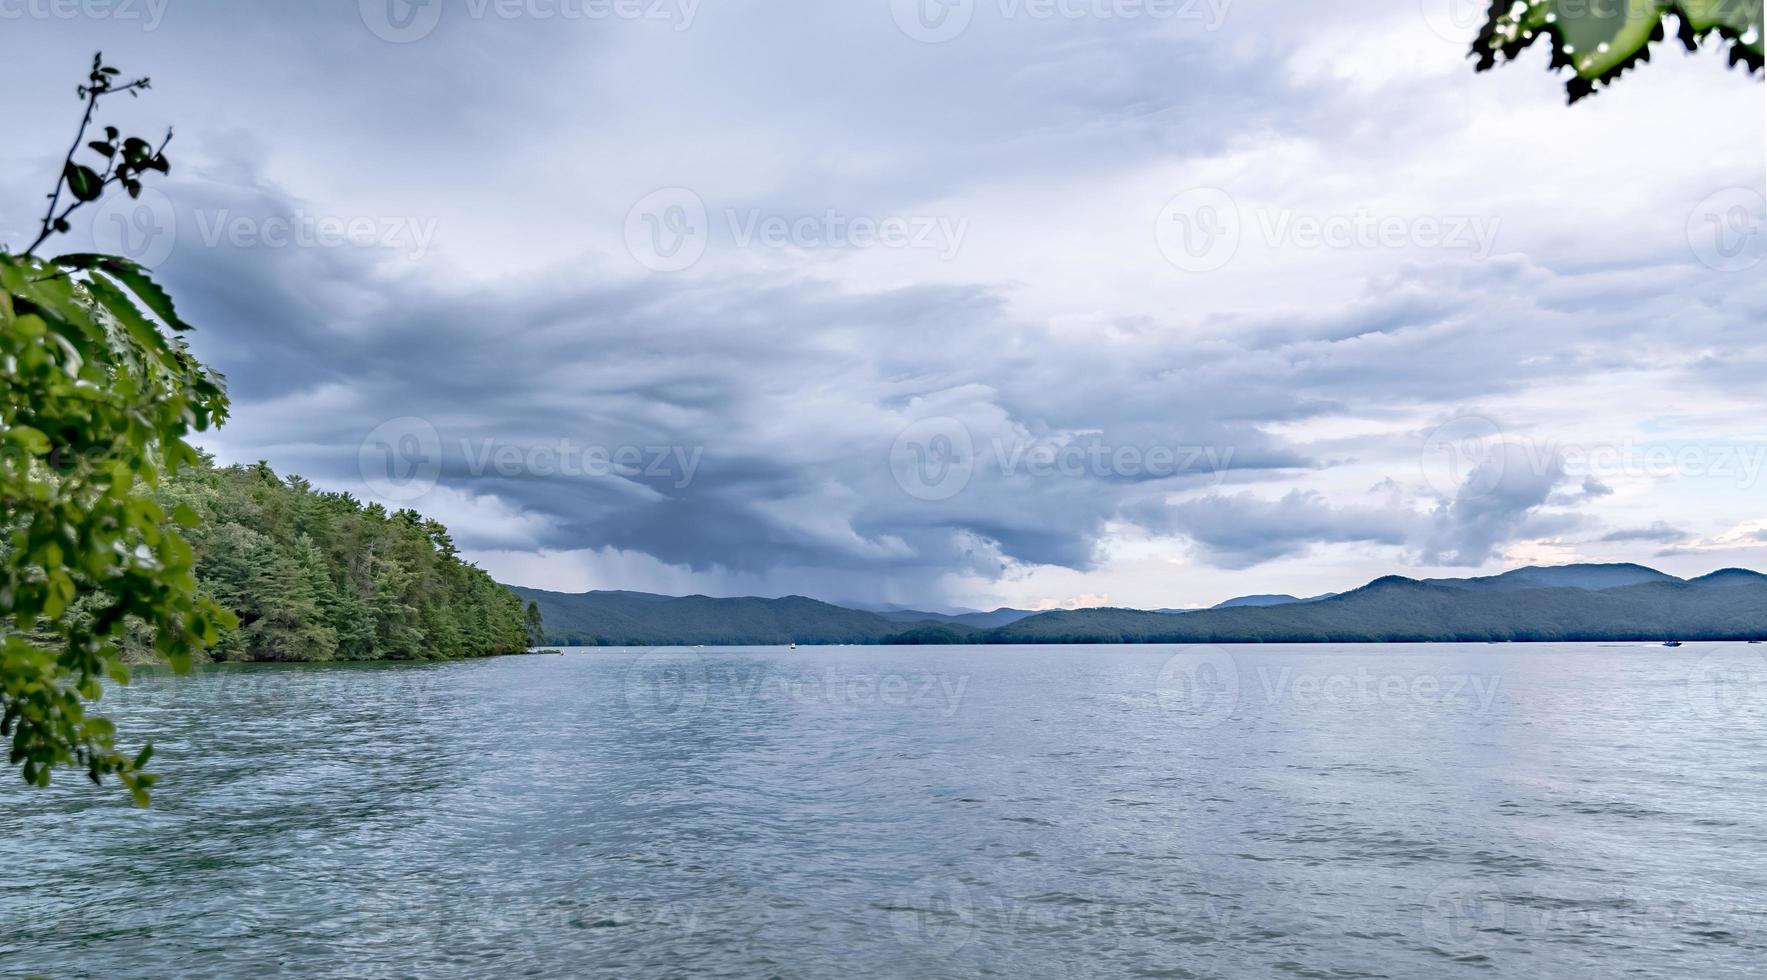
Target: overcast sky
978, 303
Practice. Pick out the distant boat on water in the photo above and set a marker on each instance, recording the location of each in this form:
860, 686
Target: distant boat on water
1673, 643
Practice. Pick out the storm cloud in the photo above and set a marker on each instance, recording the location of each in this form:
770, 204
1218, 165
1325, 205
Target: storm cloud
786, 298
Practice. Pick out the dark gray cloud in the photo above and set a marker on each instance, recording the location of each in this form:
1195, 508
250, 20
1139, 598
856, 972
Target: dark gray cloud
1243, 530
846, 421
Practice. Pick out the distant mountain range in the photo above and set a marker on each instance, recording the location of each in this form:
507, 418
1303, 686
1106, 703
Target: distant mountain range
980, 620
1566, 602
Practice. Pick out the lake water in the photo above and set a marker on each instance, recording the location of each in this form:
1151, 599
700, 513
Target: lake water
1405, 811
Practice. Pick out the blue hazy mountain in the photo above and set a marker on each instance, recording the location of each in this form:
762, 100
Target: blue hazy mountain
1568, 602
979, 620
1266, 600
1726, 605
1563, 577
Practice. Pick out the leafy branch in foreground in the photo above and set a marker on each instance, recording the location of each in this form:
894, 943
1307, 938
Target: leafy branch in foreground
125, 159
1599, 39
97, 406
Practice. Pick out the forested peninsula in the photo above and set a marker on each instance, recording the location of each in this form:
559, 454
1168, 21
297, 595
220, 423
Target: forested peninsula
319, 576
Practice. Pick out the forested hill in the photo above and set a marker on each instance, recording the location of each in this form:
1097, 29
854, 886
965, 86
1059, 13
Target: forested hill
1728, 605
643, 619
1567, 602
322, 576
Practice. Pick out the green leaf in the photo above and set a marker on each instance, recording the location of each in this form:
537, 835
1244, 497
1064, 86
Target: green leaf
132, 276
83, 182
117, 302
29, 439
1599, 39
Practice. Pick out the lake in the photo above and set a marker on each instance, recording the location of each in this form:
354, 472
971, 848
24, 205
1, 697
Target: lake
1552, 810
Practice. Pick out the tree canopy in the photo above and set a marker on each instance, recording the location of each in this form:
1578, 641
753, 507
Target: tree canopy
101, 397
314, 575
120, 541
1600, 39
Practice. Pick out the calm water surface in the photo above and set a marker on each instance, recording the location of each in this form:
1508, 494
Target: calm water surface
1406, 811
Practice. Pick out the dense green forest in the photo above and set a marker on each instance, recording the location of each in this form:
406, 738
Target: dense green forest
315, 575
639, 619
